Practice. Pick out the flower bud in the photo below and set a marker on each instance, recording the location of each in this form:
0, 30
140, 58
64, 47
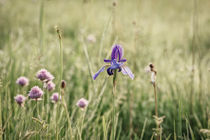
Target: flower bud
63, 84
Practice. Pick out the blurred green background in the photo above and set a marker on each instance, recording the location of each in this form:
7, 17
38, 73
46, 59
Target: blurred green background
170, 34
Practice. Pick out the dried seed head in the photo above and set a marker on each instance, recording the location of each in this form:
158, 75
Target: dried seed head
151, 65
151, 69
63, 84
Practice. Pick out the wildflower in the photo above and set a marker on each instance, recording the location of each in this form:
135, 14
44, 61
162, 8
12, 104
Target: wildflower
20, 99
116, 63
49, 86
35, 93
44, 75
55, 97
63, 84
82, 103
22, 81
91, 38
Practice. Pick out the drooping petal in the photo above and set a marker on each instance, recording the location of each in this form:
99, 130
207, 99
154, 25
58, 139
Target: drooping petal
98, 72
117, 52
110, 71
126, 71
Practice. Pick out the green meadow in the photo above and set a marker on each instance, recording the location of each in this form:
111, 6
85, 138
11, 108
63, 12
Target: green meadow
71, 39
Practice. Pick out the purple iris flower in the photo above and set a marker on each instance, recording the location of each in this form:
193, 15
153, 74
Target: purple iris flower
116, 63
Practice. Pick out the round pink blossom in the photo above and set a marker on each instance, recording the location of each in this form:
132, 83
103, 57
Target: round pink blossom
49, 86
44, 75
55, 97
35, 93
82, 103
20, 99
22, 81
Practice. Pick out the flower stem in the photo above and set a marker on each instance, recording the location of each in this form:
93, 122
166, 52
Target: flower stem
37, 110
67, 113
56, 122
61, 77
113, 103
81, 129
61, 53
156, 110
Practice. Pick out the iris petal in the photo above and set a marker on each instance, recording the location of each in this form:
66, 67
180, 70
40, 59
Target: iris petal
126, 71
98, 72
117, 52
107, 60
123, 60
109, 71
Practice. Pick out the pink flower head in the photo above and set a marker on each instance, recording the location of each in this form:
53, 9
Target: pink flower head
44, 75
55, 97
49, 86
35, 93
20, 99
22, 81
82, 103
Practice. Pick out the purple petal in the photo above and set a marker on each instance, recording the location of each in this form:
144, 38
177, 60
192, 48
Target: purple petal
127, 71
107, 60
98, 72
117, 52
123, 60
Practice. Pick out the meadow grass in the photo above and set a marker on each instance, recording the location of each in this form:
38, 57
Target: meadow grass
173, 35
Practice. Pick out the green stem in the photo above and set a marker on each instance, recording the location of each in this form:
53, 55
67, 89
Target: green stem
56, 121
83, 117
1, 131
68, 117
61, 54
37, 109
61, 77
113, 103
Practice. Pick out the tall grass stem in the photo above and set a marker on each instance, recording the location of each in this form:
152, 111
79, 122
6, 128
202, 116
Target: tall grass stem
61, 77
